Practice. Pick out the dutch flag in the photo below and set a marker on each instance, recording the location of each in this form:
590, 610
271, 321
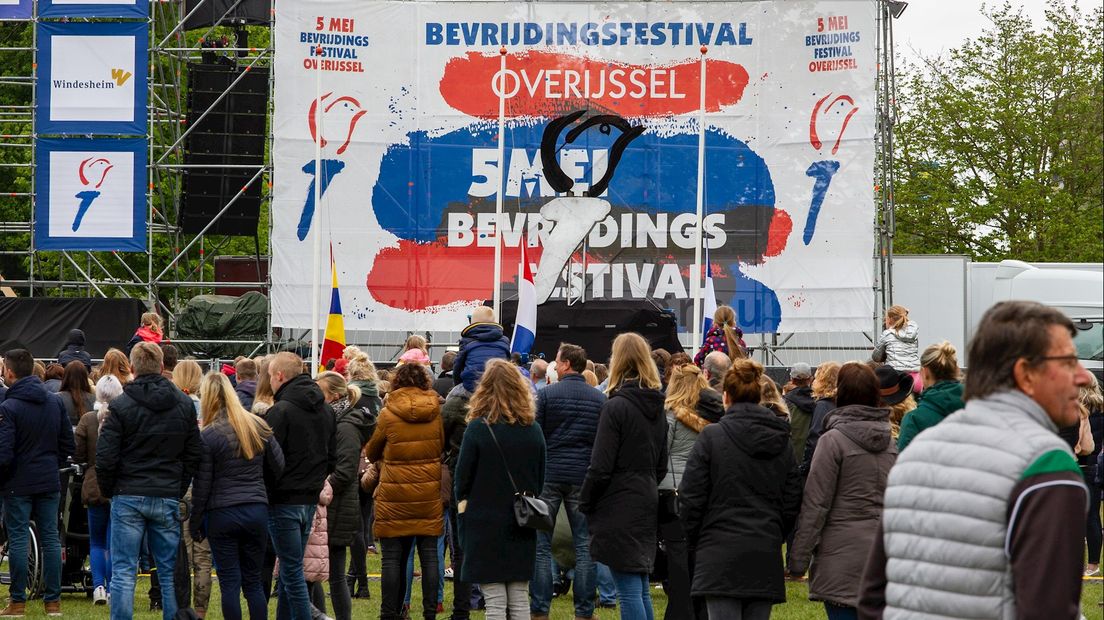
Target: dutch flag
709, 303
525, 324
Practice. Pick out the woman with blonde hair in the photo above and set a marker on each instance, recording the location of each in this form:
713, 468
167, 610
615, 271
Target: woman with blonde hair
1092, 402
723, 336
690, 405
899, 345
771, 397
824, 390
186, 377
263, 398
362, 374
620, 493
229, 501
502, 453
943, 396
116, 363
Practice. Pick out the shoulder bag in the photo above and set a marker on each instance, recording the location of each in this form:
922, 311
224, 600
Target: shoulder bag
531, 512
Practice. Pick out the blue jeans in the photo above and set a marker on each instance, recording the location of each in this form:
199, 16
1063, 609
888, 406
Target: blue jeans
607, 589
99, 544
440, 572
133, 516
19, 510
237, 535
839, 612
289, 525
586, 574
634, 596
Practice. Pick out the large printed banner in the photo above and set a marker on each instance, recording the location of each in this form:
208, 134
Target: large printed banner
92, 78
408, 97
93, 8
90, 194
16, 9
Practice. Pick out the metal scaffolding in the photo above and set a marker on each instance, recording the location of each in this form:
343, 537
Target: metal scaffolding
173, 262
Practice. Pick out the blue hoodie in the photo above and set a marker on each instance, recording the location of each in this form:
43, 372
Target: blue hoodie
479, 344
36, 439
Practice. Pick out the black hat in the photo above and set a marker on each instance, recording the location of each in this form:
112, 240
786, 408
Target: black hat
896, 386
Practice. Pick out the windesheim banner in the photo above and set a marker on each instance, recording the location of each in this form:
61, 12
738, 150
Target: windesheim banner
403, 100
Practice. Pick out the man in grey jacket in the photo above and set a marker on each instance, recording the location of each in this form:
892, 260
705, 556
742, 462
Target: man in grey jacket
978, 510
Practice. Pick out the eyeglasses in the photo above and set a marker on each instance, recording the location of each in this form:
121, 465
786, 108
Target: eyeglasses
1071, 362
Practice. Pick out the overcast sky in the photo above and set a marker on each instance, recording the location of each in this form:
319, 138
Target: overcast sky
930, 27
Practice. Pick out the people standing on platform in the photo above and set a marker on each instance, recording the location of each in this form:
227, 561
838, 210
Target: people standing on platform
567, 413
147, 452
74, 350
620, 492
229, 499
303, 425
723, 336
503, 453
36, 439
480, 342
899, 345
150, 330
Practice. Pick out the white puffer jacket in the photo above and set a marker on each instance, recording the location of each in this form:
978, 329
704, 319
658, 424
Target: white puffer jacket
902, 348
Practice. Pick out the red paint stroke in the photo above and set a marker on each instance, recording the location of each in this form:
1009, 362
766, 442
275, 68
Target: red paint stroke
779, 233
814, 139
467, 85
419, 276
312, 117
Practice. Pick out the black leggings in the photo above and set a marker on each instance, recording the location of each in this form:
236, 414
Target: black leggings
339, 587
393, 582
358, 565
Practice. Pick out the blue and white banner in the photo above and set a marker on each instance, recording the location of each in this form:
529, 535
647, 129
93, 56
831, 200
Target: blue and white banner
90, 194
16, 9
92, 78
93, 8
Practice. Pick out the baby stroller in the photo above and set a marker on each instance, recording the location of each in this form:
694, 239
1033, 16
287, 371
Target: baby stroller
73, 531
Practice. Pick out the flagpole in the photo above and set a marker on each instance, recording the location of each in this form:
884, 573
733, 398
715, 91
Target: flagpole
696, 272
501, 180
316, 223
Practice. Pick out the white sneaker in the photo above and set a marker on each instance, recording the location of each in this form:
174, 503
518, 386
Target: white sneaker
99, 596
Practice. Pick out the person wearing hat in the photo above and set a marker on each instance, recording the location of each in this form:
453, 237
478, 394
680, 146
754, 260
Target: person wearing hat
896, 388
801, 402
842, 503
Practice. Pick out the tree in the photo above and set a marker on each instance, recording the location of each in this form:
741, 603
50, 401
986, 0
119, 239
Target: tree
1000, 146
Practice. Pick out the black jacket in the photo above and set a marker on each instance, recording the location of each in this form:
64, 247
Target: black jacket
149, 444
567, 412
454, 418
444, 383
74, 350
710, 405
738, 498
36, 439
227, 479
303, 424
824, 406
619, 495
354, 428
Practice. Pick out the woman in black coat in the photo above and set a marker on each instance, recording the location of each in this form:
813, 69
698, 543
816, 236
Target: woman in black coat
501, 441
356, 419
738, 497
619, 495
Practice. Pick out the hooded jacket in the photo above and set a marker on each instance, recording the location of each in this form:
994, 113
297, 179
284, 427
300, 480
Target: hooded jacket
303, 425
355, 424
36, 439
683, 428
802, 404
936, 403
409, 440
226, 478
902, 347
738, 499
479, 343
74, 350
316, 557
619, 495
149, 444
843, 502
145, 334
246, 391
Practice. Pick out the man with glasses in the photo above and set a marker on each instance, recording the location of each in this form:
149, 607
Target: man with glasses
982, 513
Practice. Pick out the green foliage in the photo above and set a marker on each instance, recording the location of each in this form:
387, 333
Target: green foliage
1000, 146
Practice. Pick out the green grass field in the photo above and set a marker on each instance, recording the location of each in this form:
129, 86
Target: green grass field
797, 607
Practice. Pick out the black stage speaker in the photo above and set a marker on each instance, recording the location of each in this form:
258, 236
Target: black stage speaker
233, 132
246, 12
594, 324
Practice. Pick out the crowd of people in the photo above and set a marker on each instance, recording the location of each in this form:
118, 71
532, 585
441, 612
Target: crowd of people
894, 484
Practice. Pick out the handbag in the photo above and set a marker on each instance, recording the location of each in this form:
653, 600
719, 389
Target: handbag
668, 498
371, 477
531, 512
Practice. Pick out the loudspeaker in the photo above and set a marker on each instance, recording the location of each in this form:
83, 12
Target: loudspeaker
232, 132
594, 324
249, 12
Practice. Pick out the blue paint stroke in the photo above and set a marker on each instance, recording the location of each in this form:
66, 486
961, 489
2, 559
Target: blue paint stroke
330, 169
86, 198
756, 305
822, 171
